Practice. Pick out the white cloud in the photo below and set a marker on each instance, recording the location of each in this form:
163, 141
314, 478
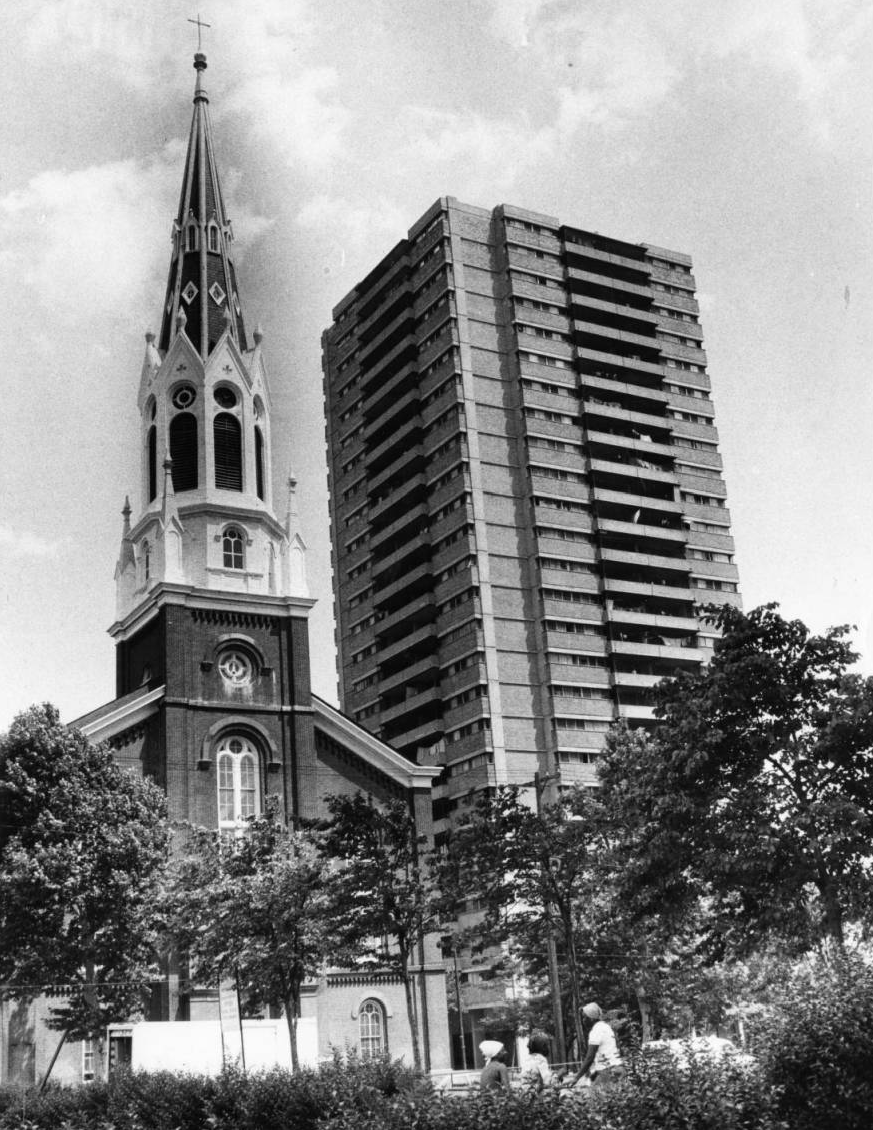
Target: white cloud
480, 155
356, 224
23, 544
84, 243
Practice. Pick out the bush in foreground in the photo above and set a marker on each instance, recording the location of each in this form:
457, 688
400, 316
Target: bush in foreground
387, 1096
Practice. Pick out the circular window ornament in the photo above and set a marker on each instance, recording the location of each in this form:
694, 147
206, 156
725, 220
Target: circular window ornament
236, 667
184, 396
225, 397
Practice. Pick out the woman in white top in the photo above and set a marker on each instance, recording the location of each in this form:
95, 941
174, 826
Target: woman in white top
602, 1060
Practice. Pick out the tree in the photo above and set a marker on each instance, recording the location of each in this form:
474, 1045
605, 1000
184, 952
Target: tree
756, 789
82, 847
531, 872
254, 909
383, 905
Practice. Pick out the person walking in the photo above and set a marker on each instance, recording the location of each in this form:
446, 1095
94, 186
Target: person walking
602, 1062
537, 1074
495, 1073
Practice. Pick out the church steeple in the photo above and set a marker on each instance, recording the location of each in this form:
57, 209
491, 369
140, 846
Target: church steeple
202, 281
207, 524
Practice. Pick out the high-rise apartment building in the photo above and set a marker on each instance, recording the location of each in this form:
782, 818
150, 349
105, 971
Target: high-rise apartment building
527, 497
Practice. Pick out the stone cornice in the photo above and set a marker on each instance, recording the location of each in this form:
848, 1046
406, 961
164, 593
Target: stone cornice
188, 596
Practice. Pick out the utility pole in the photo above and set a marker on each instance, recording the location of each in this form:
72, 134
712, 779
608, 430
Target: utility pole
552, 951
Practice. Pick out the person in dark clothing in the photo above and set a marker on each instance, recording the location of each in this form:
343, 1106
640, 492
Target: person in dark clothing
495, 1074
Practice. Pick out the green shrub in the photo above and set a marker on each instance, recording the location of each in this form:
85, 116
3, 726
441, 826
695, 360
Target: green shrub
816, 1046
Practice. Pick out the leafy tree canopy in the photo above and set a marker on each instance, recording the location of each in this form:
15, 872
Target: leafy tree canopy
82, 846
756, 788
254, 909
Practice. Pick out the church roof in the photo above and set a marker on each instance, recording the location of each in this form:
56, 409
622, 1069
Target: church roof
202, 282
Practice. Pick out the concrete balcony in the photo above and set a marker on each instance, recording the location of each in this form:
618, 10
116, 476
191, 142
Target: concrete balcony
632, 679
701, 482
608, 258
436, 499
571, 491
466, 712
573, 642
606, 385
402, 491
529, 288
413, 703
706, 513
450, 650
621, 361
650, 560
564, 706
678, 326
642, 588
673, 278
536, 344
414, 547
652, 619
448, 336
436, 464
618, 310
568, 460
632, 471
414, 671
657, 651
421, 608
534, 317
573, 582
405, 402
637, 713
444, 526
605, 280
428, 631
551, 402
552, 429
448, 366
545, 241
469, 677
683, 352
647, 342
449, 396
416, 512
568, 610
662, 424
571, 550
581, 739
677, 301
445, 312
420, 733
408, 432
693, 456
641, 447
584, 676
634, 529
722, 570
641, 501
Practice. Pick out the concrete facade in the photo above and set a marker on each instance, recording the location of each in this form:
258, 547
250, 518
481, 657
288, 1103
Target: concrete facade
526, 493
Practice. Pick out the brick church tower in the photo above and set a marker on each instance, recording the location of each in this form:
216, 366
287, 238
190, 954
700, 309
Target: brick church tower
213, 697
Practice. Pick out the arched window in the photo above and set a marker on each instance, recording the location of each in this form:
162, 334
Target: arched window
259, 461
228, 452
183, 451
146, 562
191, 236
239, 796
233, 548
153, 462
213, 237
371, 1026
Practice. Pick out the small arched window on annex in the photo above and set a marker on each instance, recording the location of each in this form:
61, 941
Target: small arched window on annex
239, 781
233, 548
372, 1029
227, 436
183, 451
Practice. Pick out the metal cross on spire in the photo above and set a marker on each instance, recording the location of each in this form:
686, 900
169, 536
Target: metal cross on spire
200, 26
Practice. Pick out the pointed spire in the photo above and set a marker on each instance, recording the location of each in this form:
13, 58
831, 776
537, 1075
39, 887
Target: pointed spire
202, 280
168, 497
126, 555
292, 514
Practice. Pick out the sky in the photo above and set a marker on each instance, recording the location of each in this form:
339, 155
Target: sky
740, 132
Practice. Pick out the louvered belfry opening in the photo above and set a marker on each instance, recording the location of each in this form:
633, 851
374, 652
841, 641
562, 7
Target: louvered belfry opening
259, 462
153, 463
183, 451
228, 452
